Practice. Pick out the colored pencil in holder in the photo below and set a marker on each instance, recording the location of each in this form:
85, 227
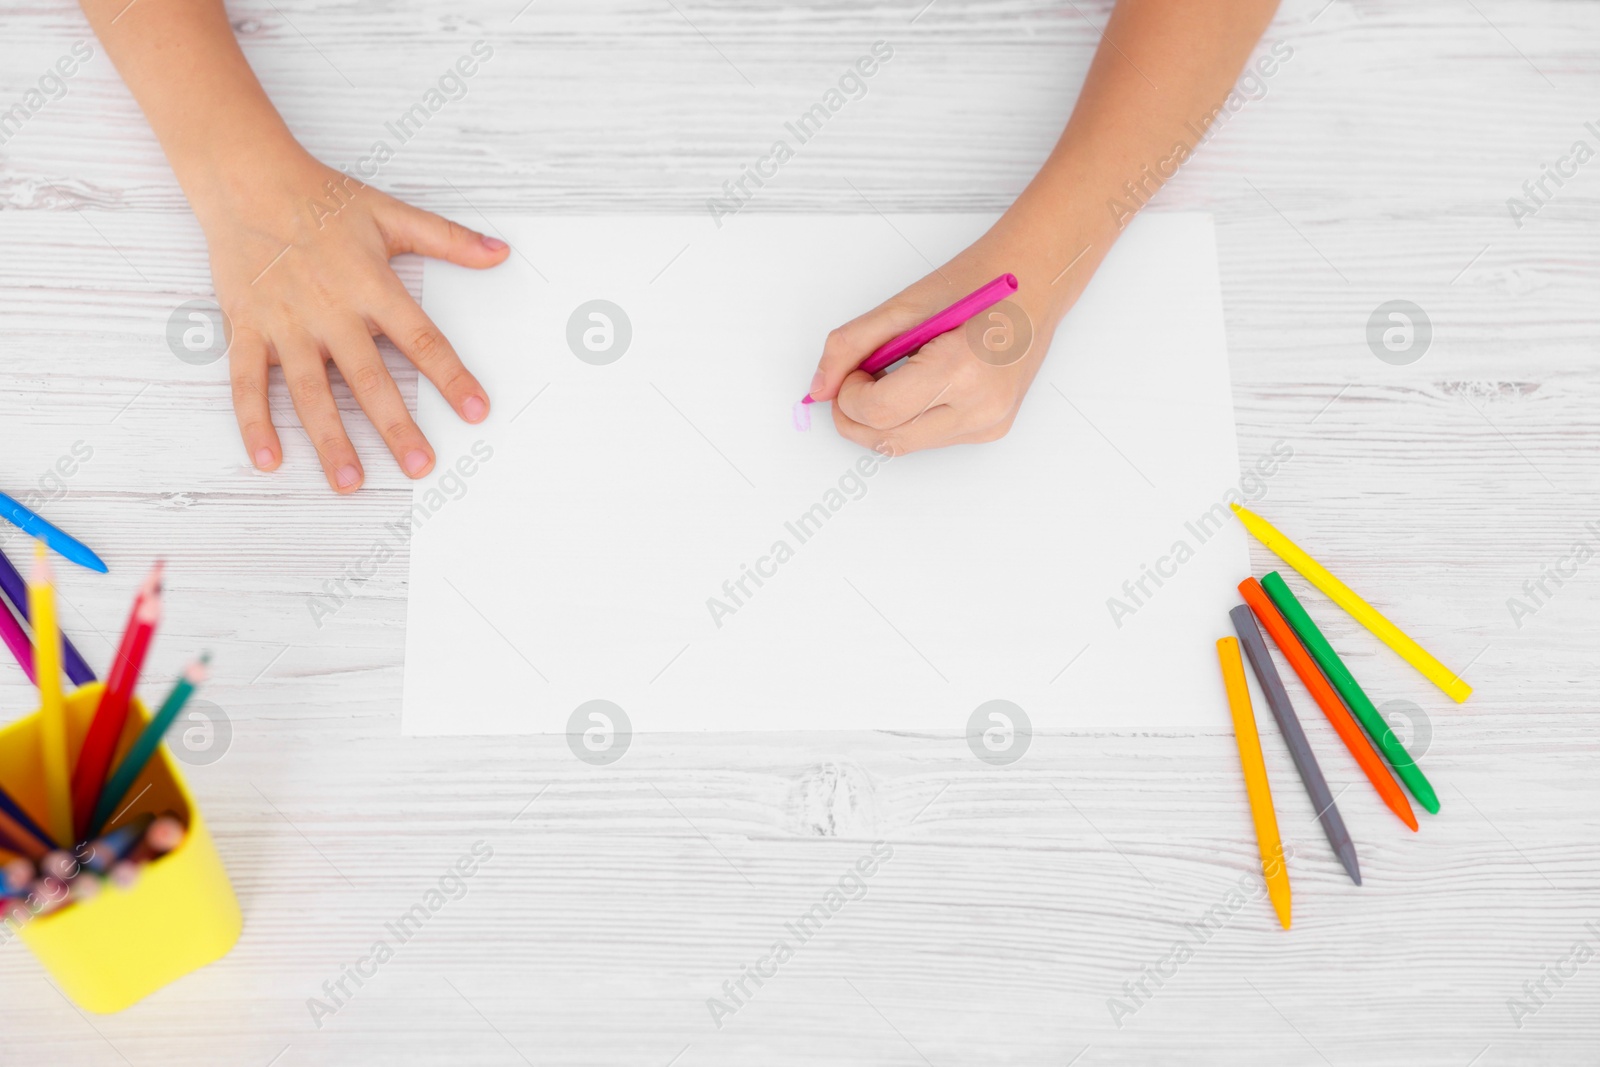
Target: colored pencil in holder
99, 745
111, 946
15, 590
145, 745
54, 748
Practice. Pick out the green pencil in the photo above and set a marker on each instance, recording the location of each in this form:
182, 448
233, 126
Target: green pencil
145, 745
1405, 768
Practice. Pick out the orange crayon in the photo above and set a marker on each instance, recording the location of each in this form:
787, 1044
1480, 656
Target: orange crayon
1273, 867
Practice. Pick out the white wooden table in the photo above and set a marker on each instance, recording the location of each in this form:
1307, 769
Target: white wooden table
1019, 900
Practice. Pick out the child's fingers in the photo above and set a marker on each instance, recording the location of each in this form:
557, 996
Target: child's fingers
307, 378
410, 229
983, 436
857, 339
413, 333
247, 370
933, 427
357, 358
918, 384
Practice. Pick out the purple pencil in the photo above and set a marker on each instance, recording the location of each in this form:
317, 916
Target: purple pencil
16, 591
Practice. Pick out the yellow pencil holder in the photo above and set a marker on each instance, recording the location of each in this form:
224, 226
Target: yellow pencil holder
117, 948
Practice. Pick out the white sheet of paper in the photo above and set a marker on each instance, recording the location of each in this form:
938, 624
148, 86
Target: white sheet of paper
570, 547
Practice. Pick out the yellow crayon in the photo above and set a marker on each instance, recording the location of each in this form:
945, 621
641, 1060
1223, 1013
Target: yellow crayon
1273, 867
52, 710
1359, 609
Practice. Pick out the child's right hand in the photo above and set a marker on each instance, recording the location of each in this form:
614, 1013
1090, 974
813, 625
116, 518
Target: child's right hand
300, 259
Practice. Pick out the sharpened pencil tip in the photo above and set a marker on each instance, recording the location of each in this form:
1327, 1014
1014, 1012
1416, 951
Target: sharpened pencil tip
150, 592
197, 671
149, 611
807, 399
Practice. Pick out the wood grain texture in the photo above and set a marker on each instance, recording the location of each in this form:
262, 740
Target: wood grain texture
1018, 900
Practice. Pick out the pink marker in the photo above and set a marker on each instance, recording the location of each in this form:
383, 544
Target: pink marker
949, 319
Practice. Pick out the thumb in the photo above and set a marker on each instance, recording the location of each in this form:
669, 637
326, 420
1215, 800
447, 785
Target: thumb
411, 229
849, 345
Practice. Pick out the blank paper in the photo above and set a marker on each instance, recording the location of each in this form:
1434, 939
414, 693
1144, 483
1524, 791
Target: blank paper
577, 544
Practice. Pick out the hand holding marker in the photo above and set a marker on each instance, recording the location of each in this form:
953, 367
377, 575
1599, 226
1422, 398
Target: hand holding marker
952, 317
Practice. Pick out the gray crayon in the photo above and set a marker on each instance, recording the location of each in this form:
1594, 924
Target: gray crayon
1255, 650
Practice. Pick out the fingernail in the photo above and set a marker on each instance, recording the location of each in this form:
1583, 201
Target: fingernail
348, 476
494, 244
416, 462
816, 382
474, 408
264, 458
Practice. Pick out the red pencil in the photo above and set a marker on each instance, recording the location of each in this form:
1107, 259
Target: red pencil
1327, 700
105, 730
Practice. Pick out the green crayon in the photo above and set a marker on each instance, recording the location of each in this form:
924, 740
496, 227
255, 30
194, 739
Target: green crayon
1339, 676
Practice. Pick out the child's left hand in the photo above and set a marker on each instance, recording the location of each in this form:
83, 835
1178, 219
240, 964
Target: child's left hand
964, 386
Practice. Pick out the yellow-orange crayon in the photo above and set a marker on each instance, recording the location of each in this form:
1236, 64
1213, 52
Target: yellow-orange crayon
1273, 867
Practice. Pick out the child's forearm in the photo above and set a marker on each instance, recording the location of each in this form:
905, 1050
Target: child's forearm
186, 70
1161, 73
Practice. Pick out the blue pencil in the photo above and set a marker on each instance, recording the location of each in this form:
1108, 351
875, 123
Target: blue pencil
16, 591
29, 523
